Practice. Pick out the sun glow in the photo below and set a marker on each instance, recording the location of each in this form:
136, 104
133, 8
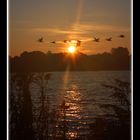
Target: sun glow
71, 49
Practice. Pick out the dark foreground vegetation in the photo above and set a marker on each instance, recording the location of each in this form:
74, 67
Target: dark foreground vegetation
49, 123
36, 61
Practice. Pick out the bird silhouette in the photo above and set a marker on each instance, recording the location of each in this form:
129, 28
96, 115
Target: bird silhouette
78, 42
40, 40
65, 41
53, 42
96, 39
121, 36
109, 39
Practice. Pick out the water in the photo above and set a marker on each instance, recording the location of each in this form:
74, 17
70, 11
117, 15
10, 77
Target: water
77, 95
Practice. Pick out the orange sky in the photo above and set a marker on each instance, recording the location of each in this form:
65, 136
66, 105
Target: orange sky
75, 19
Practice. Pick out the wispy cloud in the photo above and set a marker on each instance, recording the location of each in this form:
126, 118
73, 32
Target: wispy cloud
79, 29
87, 28
56, 30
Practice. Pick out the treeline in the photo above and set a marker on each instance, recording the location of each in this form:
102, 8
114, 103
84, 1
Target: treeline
37, 61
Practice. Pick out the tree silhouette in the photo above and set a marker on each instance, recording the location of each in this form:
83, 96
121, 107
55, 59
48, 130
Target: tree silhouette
42, 121
21, 118
114, 126
118, 59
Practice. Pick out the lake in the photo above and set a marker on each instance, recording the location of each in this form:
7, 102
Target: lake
80, 95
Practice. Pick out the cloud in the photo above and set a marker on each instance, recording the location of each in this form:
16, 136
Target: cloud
88, 28
57, 31
79, 29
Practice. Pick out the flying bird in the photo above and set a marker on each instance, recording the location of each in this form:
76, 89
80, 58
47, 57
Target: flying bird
78, 43
65, 41
40, 40
121, 36
109, 39
53, 42
96, 39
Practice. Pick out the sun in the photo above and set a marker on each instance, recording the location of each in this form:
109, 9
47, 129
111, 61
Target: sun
71, 49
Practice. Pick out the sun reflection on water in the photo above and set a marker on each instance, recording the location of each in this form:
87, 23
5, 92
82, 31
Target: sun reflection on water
72, 135
72, 99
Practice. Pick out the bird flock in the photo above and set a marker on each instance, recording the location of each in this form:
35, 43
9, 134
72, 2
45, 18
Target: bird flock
77, 42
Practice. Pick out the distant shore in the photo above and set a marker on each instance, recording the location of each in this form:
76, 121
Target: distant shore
36, 61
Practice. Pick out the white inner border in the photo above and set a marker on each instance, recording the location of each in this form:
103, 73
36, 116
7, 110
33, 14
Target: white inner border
131, 69
8, 69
